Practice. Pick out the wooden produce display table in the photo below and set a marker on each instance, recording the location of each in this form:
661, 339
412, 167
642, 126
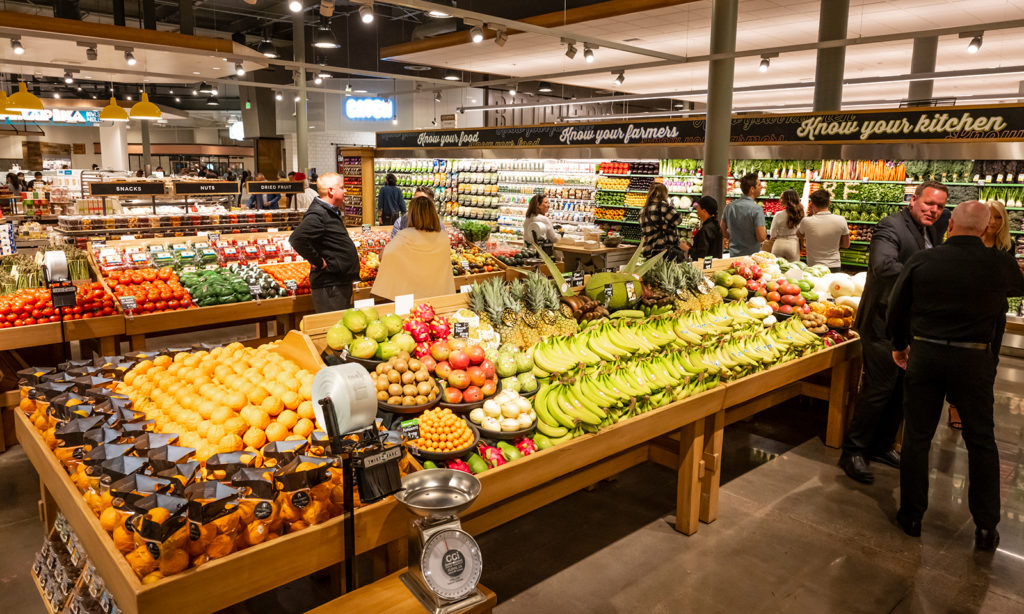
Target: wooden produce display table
389, 596
597, 258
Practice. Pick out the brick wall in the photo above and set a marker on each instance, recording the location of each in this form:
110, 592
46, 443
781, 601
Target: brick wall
321, 146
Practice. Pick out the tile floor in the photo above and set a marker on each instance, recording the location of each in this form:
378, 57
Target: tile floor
793, 535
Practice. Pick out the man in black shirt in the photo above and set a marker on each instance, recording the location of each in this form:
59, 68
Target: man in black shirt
879, 410
945, 304
321, 238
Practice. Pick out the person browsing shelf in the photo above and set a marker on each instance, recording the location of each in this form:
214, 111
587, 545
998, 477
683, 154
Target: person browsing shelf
784, 227
825, 232
417, 261
537, 226
743, 219
392, 205
659, 226
707, 241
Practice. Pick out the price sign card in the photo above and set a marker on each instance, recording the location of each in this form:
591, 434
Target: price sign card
403, 304
363, 303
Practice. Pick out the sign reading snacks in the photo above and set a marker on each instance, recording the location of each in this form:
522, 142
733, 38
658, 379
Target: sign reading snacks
373, 109
274, 187
950, 124
126, 188
188, 188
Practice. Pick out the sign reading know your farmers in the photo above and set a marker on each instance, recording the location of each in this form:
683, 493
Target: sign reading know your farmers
951, 124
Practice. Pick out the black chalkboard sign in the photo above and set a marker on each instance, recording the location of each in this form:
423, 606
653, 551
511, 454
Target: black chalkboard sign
274, 187
127, 188
196, 188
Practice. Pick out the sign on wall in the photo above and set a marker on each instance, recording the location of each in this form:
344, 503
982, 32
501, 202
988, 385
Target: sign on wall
953, 124
369, 109
76, 117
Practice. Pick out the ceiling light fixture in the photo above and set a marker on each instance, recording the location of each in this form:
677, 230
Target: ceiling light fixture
195, 92
128, 97
325, 38
267, 48
176, 99
318, 80
323, 74
366, 13
765, 63
348, 88
91, 53
144, 109
78, 89
501, 37
620, 78
56, 94
545, 87
295, 6
279, 96
211, 101
437, 96
513, 90
297, 99
570, 50
206, 88
129, 57
588, 53
24, 100
476, 33
975, 45
68, 77
94, 96
451, 75
16, 46
113, 113
239, 69
394, 122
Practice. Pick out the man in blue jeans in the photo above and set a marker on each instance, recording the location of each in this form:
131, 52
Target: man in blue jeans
743, 219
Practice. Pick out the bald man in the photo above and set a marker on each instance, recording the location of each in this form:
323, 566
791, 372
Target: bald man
321, 238
941, 319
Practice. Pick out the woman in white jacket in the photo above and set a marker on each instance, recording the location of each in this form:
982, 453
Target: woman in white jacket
537, 226
417, 261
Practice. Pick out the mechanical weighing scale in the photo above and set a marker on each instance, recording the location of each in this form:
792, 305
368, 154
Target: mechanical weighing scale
445, 563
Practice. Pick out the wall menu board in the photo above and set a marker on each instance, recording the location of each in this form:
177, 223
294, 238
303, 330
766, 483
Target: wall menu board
194, 188
930, 124
274, 187
127, 188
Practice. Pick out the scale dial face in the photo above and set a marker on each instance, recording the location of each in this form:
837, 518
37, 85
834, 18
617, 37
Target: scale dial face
451, 564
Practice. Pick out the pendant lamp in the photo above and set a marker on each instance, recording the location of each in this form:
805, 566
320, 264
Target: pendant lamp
144, 109
24, 100
4, 109
113, 113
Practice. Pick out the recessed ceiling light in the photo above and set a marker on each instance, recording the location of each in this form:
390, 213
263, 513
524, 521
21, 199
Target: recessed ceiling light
195, 72
128, 97
216, 67
359, 91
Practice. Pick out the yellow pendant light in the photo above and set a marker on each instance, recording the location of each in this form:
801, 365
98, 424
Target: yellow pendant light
113, 113
24, 100
4, 109
144, 109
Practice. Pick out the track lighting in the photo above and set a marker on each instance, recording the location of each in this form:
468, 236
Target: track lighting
176, 99
544, 87
267, 48
297, 99
56, 94
78, 89
68, 77
129, 57
366, 13
211, 101
512, 90
620, 78
501, 37
325, 37
975, 45
128, 97
323, 74
317, 80
451, 75
765, 62
476, 33
195, 92
279, 96
16, 46
570, 51
239, 69
295, 6
394, 122
206, 88
437, 96
91, 53
588, 54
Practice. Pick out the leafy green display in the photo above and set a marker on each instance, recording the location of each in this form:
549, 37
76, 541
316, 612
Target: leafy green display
875, 192
475, 231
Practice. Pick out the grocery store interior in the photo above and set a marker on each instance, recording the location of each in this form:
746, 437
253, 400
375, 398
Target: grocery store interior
191, 422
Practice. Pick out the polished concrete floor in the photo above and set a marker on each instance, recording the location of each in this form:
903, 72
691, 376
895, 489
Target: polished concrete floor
793, 534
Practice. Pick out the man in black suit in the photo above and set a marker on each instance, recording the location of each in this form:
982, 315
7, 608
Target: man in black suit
942, 315
879, 410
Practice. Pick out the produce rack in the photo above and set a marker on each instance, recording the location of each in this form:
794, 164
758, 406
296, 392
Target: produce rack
355, 165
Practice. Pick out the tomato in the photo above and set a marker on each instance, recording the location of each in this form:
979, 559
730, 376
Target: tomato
173, 304
161, 305
86, 316
29, 321
149, 274
164, 274
18, 323
108, 311
76, 310
10, 317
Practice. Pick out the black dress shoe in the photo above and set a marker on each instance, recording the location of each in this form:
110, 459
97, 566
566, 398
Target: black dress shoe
857, 468
986, 539
891, 458
910, 527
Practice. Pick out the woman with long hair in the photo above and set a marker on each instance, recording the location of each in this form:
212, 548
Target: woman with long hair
537, 226
707, 241
784, 227
417, 260
659, 226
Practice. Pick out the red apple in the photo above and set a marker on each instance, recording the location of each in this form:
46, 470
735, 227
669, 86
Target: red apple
472, 395
458, 359
429, 362
488, 368
443, 369
439, 351
459, 379
476, 376
476, 354
787, 309
489, 388
773, 295
452, 395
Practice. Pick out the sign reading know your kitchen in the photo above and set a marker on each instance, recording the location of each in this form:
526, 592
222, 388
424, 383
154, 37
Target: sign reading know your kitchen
949, 124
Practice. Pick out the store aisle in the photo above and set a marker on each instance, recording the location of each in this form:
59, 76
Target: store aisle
794, 535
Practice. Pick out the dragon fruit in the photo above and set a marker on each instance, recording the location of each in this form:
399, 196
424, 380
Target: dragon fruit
422, 349
459, 465
420, 332
492, 455
423, 313
526, 446
440, 328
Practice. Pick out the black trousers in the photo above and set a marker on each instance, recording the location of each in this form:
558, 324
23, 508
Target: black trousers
332, 298
879, 410
966, 377
388, 219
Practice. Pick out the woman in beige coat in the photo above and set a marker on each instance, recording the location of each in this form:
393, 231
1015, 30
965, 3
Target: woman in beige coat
417, 261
